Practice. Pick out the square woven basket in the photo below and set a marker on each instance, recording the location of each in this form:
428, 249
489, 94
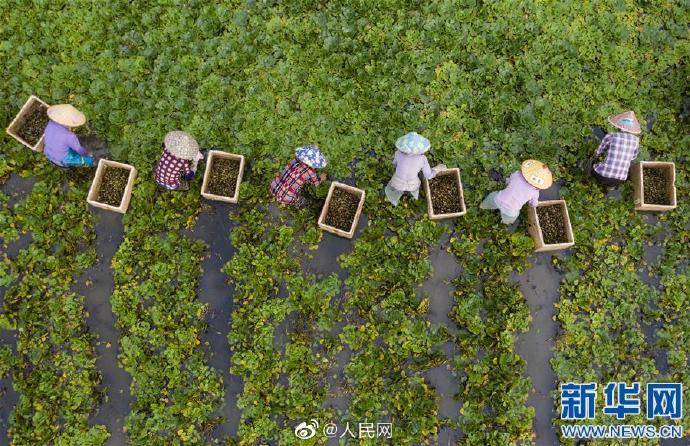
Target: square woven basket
637, 176
322, 218
19, 120
430, 207
535, 228
92, 198
214, 155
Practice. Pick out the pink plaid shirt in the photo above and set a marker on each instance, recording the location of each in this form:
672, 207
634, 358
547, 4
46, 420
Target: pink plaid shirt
286, 187
170, 169
622, 149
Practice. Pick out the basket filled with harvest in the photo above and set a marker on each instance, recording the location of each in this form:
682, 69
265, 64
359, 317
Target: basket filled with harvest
223, 176
549, 226
444, 195
654, 185
112, 186
342, 209
30, 123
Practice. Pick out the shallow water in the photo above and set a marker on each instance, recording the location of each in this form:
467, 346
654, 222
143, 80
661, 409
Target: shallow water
101, 322
539, 284
213, 227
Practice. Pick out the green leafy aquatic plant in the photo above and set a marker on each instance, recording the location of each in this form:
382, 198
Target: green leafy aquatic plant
54, 368
489, 83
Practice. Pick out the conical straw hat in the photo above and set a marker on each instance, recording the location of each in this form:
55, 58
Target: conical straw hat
181, 144
67, 115
311, 156
537, 174
413, 143
626, 121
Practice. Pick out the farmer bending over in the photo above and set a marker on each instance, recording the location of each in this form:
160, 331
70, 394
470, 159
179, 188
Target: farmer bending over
62, 147
523, 186
301, 170
178, 162
409, 160
620, 149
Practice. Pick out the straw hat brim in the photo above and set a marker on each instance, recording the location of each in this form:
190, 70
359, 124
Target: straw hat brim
539, 177
312, 158
66, 115
636, 130
408, 151
181, 144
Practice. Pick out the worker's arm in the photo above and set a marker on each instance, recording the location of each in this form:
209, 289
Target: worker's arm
534, 201
187, 171
75, 145
195, 161
604, 145
426, 170
317, 179
396, 158
637, 151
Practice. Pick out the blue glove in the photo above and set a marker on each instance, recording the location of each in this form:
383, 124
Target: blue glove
189, 175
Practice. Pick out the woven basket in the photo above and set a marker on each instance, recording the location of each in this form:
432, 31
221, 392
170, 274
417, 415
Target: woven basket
637, 176
213, 155
322, 218
18, 121
535, 228
92, 197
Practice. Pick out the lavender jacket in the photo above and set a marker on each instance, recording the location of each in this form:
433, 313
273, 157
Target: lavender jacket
407, 168
511, 199
58, 140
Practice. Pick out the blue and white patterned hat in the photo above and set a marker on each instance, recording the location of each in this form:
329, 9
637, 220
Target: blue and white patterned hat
413, 143
311, 156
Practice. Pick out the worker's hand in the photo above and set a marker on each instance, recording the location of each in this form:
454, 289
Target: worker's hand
199, 156
495, 174
323, 176
439, 168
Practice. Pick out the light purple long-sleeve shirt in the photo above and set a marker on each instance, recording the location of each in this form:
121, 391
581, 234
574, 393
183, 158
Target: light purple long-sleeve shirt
58, 140
407, 168
519, 191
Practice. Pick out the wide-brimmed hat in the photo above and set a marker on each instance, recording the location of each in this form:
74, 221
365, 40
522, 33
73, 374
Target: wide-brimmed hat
67, 115
181, 144
537, 174
413, 143
311, 156
626, 121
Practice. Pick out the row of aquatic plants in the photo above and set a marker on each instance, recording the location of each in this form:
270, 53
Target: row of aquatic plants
490, 312
53, 369
674, 300
176, 395
280, 328
391, 341
604, 304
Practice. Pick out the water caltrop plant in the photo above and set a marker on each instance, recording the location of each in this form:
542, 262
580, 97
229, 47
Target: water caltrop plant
489, 83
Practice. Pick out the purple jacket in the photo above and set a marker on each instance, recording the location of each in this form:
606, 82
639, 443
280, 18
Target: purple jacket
407, 168
519, 191
58, 140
